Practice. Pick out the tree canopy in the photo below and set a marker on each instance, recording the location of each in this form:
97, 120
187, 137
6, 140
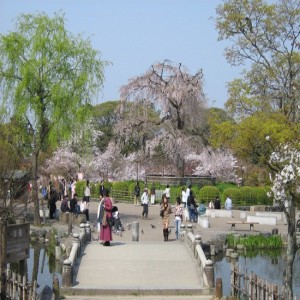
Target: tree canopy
264, 35
48, 78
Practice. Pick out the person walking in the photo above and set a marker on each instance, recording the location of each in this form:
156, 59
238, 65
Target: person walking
192, 207
168, 192
178, 212
136, 193
52, 202
145, 203
101, 189
105, 231
87, 191
165, 211
228, 203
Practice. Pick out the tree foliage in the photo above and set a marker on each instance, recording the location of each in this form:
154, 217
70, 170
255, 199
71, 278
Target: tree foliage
48, 77
266, 36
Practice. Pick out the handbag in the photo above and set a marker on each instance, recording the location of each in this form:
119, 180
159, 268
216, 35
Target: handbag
104, 219
110, 221
161, 213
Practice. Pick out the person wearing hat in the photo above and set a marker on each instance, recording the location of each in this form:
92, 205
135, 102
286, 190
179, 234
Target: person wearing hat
145, 203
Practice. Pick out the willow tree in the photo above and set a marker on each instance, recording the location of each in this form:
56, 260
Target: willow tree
175, 94
48, 78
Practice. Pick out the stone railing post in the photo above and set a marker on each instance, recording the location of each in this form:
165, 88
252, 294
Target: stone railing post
76, 240
182, 232
198, 240
82, 233
67, 273
209, 272
135, 231
88, 232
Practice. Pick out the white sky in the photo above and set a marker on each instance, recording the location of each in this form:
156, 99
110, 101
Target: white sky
133, 34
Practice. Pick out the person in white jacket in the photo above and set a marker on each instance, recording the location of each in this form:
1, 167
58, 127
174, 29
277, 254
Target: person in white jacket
145, 203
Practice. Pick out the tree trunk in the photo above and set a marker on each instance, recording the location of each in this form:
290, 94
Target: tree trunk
35, 194
291, 246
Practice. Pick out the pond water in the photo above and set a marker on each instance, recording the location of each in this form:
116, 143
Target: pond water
265, 267
44, 270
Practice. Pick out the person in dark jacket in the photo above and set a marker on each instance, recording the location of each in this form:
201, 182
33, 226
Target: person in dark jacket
192, 207
217, 203
52, 202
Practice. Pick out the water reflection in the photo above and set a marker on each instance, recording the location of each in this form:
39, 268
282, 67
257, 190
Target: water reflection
269, 268
42, 267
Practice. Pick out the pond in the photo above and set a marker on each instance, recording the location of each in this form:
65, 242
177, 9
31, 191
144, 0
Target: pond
41, 269
269, 268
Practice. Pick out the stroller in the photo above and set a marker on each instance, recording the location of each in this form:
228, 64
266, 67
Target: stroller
117, 227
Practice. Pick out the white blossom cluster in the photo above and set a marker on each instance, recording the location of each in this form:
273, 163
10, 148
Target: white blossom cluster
218, 163
287, 159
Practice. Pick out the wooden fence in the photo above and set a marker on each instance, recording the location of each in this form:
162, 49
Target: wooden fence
17, 287
122, 195
245, 286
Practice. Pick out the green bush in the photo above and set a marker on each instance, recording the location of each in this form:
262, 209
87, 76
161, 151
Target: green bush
234, 194
121, 186
261, 196
247, 196
225, 185
208, 193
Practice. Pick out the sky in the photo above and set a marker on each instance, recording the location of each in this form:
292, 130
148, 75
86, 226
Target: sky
134, 34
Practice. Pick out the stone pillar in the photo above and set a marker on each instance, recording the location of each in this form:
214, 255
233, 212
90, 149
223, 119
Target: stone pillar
197, 241
182, 232
219, 288
67, 273
135, 231
70, 227
189, 228
88, 232
56, 290
83, 232
76, 240
209, 272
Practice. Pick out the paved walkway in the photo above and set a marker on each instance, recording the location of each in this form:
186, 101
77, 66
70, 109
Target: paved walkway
149, 269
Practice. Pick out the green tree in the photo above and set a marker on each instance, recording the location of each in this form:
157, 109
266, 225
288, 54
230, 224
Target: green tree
105, 117
266, 36
48, 77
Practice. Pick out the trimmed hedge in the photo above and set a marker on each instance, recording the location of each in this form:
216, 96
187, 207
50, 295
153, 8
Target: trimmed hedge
208, 193
241, 196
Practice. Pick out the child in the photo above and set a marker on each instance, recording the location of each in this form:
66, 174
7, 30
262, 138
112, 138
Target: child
117, 222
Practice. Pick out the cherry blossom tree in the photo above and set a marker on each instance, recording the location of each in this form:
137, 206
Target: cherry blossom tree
285, 162
166, 104
177, 94
219, 163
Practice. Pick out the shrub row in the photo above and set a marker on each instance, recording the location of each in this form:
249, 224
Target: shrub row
241, 196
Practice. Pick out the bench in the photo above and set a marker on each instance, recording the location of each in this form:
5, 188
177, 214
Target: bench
233, 223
